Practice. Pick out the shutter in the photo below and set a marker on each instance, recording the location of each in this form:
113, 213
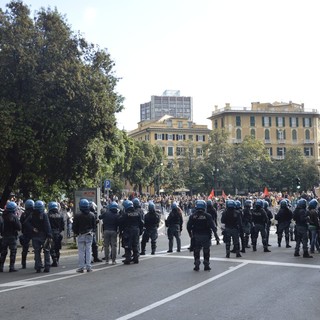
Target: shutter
297, 122
270, 151
262, 121
311, 151
163, 136
196, 137
270, 124
290, 122
276, 121
284, 134
204, 138
173, 137
155, 136
184, 137
303, 122
166, 136
310, 122
284, 121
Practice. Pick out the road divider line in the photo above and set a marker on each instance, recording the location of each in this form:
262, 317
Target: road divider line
179, 294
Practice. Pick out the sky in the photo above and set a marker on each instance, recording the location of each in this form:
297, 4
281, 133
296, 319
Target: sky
216, 51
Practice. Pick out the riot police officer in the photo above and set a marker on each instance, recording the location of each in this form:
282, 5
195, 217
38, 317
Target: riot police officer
57, 226
231, 218
110, 217
151, 224
200, 227
301, 217
26, 235
131, 223
260, 221
38, 223
284, 217
174, 223
9, 233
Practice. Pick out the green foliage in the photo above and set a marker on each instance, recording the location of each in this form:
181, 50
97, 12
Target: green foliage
58, 102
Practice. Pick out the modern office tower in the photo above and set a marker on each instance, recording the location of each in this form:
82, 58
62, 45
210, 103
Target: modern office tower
170, 103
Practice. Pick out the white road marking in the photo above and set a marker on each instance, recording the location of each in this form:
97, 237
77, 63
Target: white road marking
178, 294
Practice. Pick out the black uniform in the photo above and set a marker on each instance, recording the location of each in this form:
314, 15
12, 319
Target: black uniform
151, 224
131, 225
231, 218
284, 217
57, 226
301, 217
260, 221
10, 227
200, 226
25, 237
174, 224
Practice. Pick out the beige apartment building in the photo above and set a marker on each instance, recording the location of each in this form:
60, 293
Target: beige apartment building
173, 134
279, 125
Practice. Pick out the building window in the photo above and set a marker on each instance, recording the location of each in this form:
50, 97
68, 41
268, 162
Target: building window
238, 134
179, 124
199, 152
253, 133
170, 136
281, 136
180, 137
180, 151
294, 135
307, 133
169, 123
189, 124
215, 124
294, 122
170, 151
190, 137
267, 136
266, 121
238, 121
280, 122
252, 121
199, 137
222, 123
307, 122
308, 151
159, 136
281, 152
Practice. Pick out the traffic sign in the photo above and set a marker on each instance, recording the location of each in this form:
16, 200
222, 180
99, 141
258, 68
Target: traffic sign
107, 184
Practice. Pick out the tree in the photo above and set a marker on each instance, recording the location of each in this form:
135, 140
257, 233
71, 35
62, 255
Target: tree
249, 160
57, 102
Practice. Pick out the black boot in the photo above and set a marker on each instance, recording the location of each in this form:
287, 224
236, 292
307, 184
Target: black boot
307, 255
24, 260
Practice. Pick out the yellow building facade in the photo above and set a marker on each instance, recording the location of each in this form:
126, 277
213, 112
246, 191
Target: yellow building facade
279, 125
173, 135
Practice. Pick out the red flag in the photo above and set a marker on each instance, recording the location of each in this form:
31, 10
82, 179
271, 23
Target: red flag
224, 196
211, 195
266, 192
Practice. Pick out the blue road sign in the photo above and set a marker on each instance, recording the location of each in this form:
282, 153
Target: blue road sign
107, 184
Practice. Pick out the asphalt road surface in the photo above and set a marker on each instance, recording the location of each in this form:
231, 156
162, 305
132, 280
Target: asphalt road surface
259, 285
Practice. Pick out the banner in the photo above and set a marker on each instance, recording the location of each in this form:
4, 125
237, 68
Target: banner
211, 195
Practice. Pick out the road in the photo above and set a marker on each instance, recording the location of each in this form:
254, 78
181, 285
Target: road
259, 285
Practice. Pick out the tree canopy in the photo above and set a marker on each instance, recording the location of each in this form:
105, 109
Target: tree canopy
57, 103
